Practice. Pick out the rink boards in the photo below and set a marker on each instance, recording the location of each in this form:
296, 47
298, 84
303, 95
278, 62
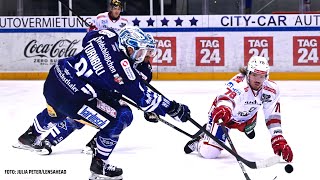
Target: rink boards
189, 47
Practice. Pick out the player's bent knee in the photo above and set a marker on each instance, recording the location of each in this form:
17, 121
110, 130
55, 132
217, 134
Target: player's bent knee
208, 151
126, 116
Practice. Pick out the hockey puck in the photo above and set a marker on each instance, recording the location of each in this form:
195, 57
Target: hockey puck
288, 168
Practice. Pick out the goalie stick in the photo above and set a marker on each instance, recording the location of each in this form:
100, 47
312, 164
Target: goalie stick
251, 164
225, 131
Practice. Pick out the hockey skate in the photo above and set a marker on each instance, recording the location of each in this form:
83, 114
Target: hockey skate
251, 134
192, 145
91, 147
103, 171
29, 141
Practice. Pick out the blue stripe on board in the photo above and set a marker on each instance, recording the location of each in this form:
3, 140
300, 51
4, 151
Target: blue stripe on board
200, 29
42, 30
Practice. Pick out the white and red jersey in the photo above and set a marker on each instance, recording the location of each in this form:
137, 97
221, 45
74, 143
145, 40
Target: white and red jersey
245, 102
103, 21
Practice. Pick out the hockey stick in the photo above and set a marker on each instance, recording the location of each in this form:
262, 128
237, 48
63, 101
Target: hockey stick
225, 131
162, 120
87, 24
252, 164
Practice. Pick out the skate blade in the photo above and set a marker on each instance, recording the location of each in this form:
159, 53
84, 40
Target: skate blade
95, 176
25, 147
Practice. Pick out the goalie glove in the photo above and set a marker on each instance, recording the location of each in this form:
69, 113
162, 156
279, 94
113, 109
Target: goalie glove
151, 117
280, 146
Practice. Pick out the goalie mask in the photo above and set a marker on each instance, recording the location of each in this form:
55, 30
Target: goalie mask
142, 43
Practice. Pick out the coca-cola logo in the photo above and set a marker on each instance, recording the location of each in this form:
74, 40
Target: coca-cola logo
60, 49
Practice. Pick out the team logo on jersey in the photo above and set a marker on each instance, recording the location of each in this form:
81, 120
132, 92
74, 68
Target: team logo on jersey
107, 141
122, 24
127, 69
265, 98
62, 125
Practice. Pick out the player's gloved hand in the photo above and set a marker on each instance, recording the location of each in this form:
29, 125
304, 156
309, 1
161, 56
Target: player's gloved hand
179, 112
280, 146
151, 117
92, 27
221, 112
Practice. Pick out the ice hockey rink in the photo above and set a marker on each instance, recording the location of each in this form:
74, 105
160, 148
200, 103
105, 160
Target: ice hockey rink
154, 151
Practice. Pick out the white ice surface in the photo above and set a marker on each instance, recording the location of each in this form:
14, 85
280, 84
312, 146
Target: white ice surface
148, 151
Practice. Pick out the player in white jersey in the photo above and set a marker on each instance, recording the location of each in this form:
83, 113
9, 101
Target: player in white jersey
111, 19
237, 105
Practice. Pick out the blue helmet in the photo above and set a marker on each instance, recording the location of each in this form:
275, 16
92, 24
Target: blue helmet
143, 44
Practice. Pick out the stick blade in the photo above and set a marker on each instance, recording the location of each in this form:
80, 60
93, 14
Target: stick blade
268, 162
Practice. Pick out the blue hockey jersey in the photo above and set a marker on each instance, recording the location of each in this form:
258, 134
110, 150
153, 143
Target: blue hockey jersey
102, 68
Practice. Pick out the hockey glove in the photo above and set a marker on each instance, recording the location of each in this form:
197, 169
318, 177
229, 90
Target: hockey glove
151, 117
221, 112
280, 146
179, 112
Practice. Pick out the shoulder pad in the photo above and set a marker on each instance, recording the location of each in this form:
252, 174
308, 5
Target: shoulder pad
102, 15
124, 19
271, 87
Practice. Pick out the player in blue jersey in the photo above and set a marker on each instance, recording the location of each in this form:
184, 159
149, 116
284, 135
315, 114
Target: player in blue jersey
57, 132
87, 88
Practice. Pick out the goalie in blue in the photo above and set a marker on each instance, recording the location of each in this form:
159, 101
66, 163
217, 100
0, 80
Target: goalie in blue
87, 88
